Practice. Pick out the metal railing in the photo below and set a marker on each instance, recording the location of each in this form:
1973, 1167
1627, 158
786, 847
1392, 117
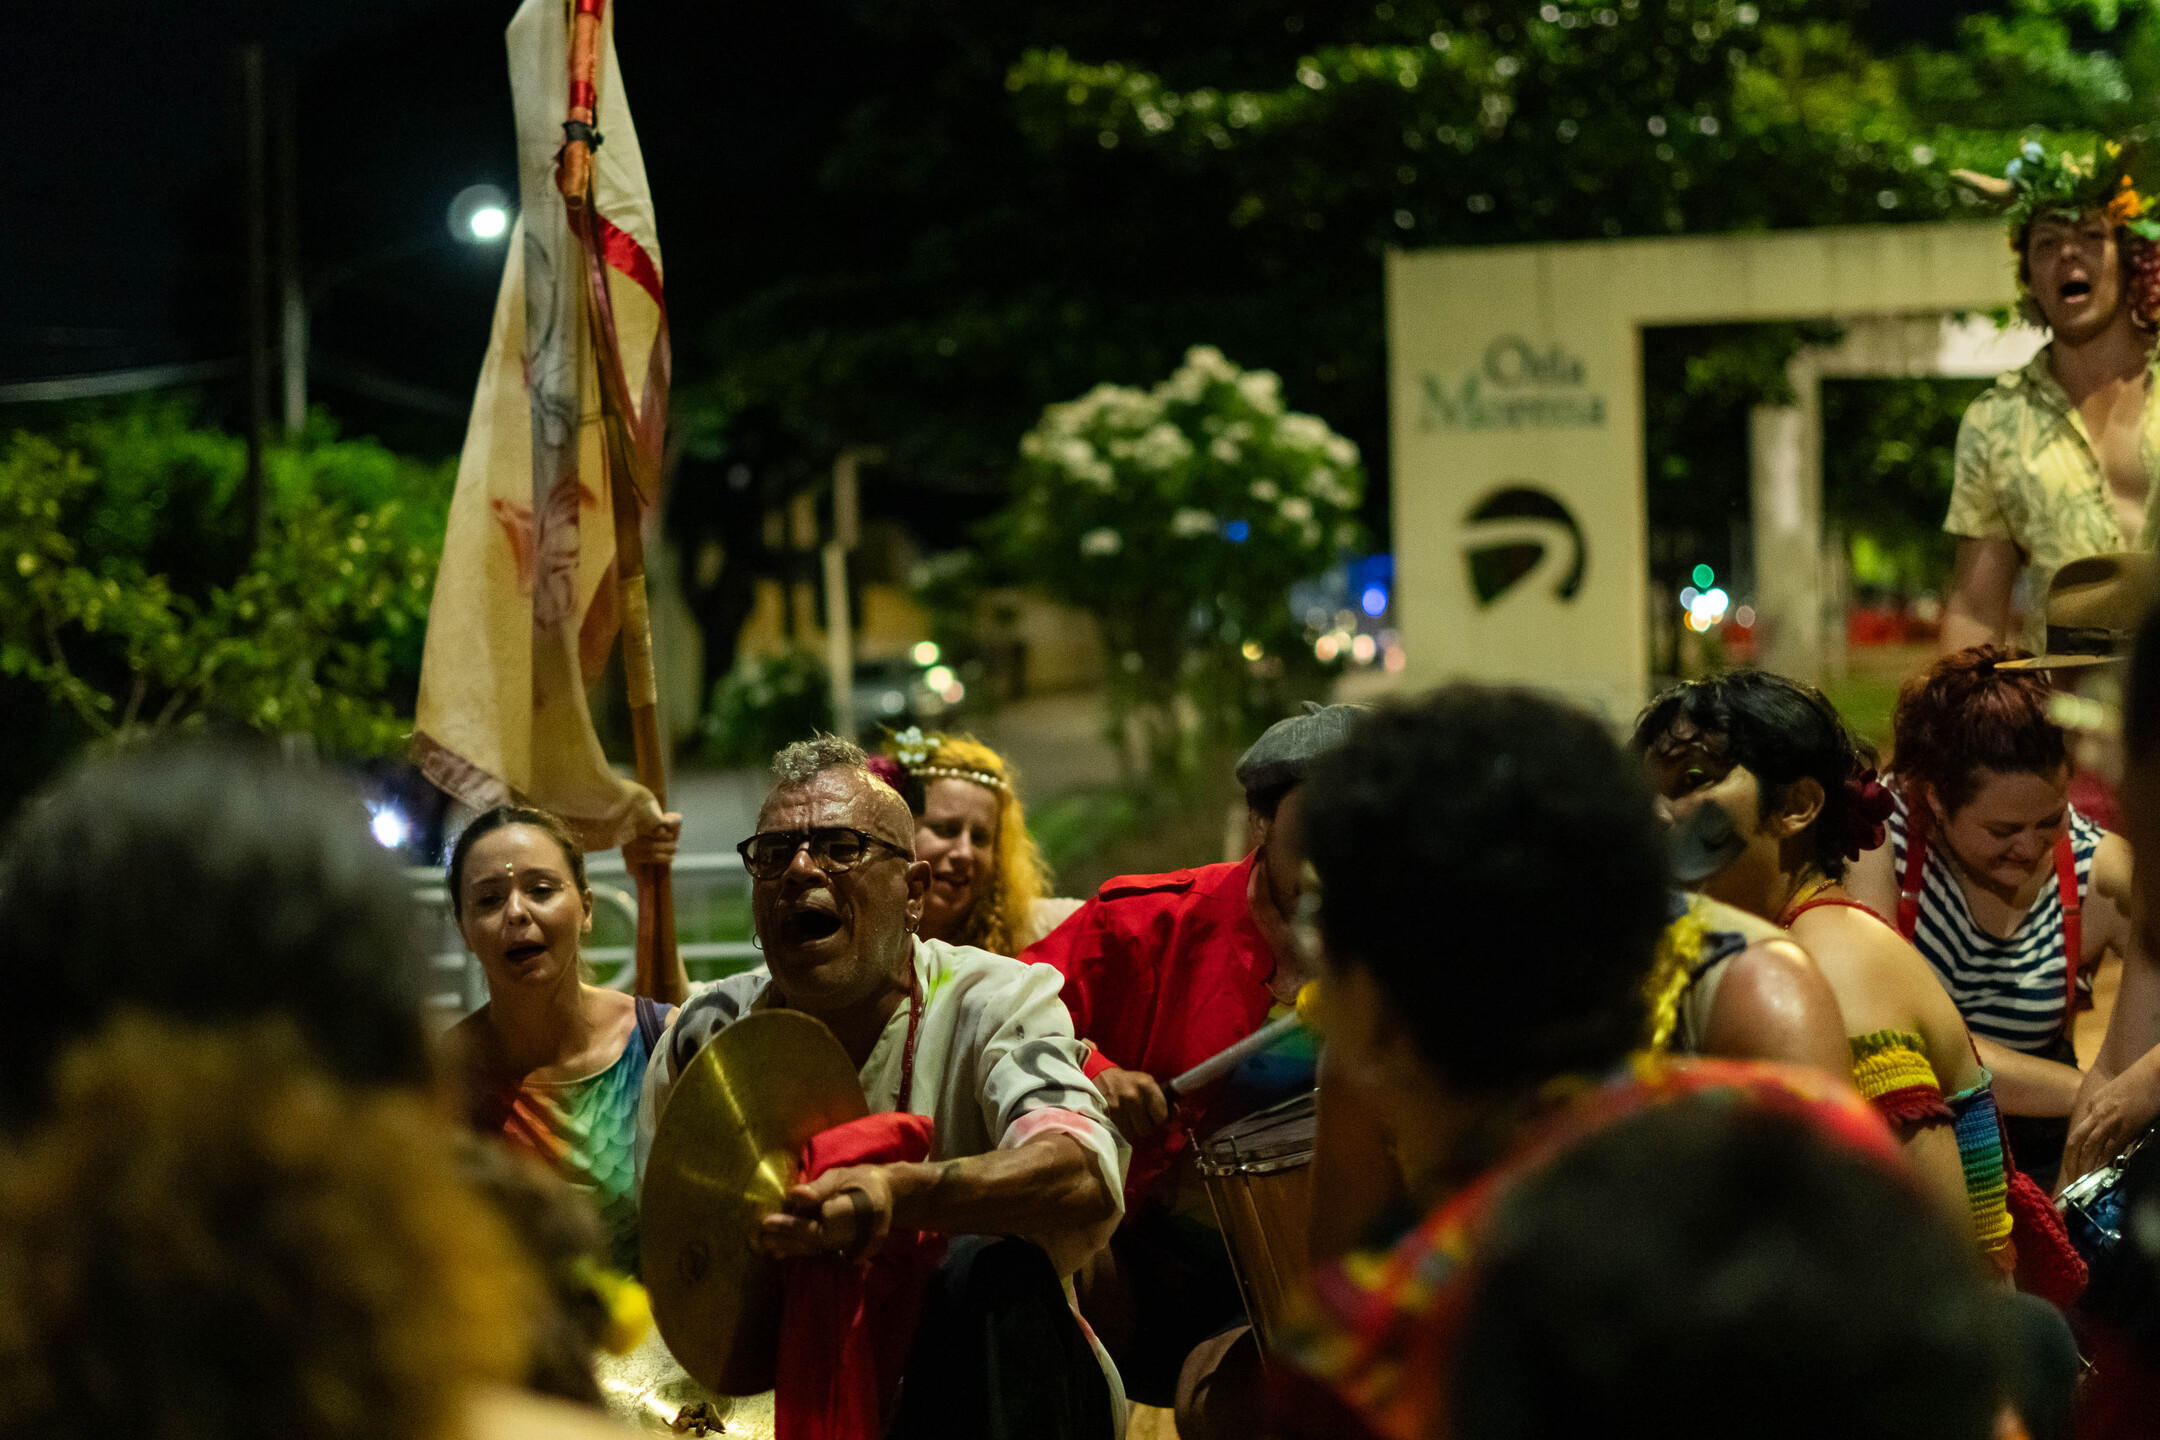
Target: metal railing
456, 985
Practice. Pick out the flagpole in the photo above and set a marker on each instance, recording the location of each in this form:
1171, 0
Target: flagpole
660, 973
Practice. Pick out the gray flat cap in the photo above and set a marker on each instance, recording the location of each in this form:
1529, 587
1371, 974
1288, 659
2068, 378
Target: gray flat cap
1284, 754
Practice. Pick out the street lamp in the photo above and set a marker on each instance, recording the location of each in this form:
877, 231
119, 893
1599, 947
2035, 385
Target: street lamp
479, 215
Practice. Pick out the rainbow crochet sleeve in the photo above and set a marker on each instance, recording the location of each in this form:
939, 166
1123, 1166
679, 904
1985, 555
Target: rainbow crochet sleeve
1980, 1146
1891, 1068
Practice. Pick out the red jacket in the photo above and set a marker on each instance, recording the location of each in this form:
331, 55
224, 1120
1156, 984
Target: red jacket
1162, 971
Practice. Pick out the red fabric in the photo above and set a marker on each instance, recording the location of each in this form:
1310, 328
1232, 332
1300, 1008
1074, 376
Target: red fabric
2047, 1264
1912, 1109
845, 1327
624, 254
1161, 972
2120, 1399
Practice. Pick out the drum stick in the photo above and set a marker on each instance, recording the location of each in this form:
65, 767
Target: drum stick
1223, 1062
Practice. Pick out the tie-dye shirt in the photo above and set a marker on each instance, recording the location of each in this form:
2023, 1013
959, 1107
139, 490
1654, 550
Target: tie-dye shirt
585, 1130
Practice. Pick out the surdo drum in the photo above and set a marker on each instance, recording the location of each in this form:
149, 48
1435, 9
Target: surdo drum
1258, 1172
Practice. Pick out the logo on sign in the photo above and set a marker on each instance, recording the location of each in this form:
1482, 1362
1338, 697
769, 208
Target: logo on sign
1516, 386
1522, 535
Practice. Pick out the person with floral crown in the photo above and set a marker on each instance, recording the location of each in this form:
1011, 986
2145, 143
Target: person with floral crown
987, 875
2056, 460
1774, 756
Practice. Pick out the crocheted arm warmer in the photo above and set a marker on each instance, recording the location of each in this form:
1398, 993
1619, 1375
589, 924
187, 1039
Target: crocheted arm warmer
1979, 1138
1891, 1068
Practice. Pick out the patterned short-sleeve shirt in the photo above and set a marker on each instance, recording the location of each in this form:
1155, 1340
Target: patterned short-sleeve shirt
2027, 472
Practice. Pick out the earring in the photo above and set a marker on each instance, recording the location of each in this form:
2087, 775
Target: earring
757, 941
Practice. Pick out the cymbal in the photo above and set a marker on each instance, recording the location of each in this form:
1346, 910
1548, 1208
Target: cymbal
727, 1148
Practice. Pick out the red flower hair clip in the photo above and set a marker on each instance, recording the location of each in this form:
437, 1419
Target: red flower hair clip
1867, 812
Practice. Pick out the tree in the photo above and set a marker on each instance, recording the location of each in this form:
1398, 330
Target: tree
115, 536
1181, 516
1015, 202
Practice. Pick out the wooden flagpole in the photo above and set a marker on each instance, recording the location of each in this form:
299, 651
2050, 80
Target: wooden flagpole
660, 972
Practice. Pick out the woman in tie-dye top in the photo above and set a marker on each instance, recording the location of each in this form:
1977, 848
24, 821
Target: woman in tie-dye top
551, 1064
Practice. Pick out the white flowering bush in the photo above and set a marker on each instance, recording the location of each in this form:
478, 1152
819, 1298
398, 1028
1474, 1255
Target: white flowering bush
1181, 516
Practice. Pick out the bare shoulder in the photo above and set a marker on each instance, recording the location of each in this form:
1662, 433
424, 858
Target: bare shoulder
1881, 981
1775, 1004
1872, 880
2111, 868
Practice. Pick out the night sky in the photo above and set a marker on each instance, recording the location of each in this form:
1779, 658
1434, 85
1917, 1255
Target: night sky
123, 235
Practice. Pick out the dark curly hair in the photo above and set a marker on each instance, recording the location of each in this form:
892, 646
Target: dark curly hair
209, 1238
1785, 1286
1543, 831
1782, 731
1965, 715
209, 883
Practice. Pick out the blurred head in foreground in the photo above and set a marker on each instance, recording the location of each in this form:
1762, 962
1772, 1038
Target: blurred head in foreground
1706, 1270
208, 1237
206, 883
1493, 885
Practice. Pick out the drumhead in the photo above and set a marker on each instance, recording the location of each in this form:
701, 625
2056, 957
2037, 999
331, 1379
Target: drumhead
1277, 1138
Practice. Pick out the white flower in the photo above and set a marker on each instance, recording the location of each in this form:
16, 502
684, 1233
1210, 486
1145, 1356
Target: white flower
1122, 407
1226, 450
1345, 535
1078, 459
1301, 432
1265, 491
1341, 450
1100, 542
1204, 366
911, 747
1297, 509
1189, 523
1310, 534
1324, 483
1261, 390
1163, 446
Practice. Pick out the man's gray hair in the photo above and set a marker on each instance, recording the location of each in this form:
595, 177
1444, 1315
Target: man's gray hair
805, 759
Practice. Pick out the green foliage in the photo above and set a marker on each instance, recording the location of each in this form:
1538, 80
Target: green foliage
1889, 447
1025, 199
764, 704
126, 596
1181, 516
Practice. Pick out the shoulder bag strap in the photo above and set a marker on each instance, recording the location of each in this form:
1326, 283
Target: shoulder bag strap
651, 1020
1914, 876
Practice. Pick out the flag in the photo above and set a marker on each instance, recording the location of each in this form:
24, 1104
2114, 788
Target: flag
526, 605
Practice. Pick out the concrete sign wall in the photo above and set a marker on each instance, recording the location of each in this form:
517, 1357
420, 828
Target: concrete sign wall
1515, 397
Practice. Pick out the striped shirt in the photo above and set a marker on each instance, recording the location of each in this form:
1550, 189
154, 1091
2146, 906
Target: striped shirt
2009, 990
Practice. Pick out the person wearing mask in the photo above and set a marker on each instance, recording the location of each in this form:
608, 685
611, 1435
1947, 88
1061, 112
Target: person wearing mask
1530, 807
1775, 757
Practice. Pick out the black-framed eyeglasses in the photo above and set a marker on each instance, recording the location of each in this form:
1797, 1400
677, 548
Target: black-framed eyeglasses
833, 848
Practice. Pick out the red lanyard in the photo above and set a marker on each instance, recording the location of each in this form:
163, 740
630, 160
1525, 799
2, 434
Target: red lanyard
1913, 879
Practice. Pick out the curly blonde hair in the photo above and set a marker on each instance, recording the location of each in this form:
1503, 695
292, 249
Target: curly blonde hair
208, 1237
1000, 921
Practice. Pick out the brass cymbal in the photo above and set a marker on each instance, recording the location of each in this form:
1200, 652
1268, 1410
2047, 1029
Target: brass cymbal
727, 1148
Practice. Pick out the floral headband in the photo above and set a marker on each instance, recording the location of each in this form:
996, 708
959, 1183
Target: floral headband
912, 757
2040, 184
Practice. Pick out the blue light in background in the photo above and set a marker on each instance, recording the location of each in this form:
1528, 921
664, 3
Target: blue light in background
1373, 601
1235, 531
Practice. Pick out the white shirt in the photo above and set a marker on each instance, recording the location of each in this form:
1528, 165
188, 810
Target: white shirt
996, 1064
